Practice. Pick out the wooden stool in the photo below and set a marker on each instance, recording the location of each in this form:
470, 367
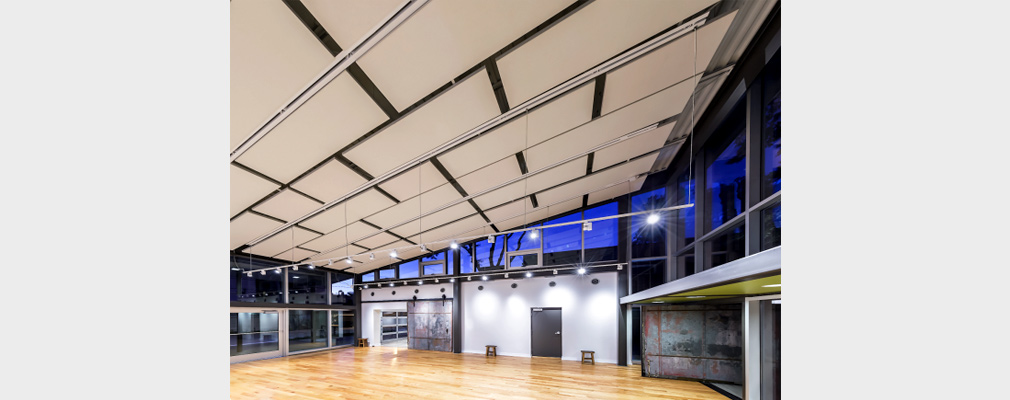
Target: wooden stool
491, 351
362, 342
592, 357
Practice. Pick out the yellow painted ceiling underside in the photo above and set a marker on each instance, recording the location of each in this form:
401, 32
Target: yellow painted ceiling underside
745, 288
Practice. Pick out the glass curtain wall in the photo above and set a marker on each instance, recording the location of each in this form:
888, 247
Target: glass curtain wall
307, 330
254, 333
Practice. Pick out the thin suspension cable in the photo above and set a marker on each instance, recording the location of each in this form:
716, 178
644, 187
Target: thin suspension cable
690, 148
526, 182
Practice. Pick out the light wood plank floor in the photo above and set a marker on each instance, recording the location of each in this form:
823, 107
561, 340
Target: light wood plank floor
394, 373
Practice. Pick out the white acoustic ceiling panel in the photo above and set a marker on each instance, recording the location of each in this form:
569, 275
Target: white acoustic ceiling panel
626, 120
329, 182
599, 31
281, 242
438, 197
326, 221
247, 189
337, 115
564, 206
557, 175
428, 222
597, 181
295, 255
410, 251
328, 241
287, 205
248, 227
366, 203
406, 185
395, 215
631, 148
500, 143
323, 258
461, 108
348, 21
509, 210
561, 114
444, 39
506, 194
453, 230
377, 240
615, 191
358, 230
668, 65
489, 176
273, 56
522, 221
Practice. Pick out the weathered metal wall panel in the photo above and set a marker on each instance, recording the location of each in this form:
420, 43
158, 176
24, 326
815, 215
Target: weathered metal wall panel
693, 342
429, 325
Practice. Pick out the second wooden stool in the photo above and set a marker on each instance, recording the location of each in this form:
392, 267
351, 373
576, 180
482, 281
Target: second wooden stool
491, 351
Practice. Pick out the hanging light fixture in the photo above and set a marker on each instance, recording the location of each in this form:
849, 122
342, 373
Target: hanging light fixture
350, 261
490, 238
652, 219
423, 247
453, 245
328, 263
371, 256
277, 271
263, 272
250, 274
452, 279
392, 254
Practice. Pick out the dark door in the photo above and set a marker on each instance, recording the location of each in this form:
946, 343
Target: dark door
546, 341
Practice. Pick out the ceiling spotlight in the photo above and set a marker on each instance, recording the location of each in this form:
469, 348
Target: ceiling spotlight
366, 286
349, 260
529, 274
555, 272
533, 234
264, 272
419, 282
469, 278
250, 274
277, 271
328, 263
235, 269
391, 284
774, 285
423, 247
587, 226
620, 267
653, 218
371, 256
392, 254
436, 280
295, 267
453, 245
490, 238
313, 266
483, 278
582, 271
452, 279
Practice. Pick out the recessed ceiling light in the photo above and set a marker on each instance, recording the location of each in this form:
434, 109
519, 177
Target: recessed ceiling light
582, 271
695, 297
529, 274
657, 302
773, 285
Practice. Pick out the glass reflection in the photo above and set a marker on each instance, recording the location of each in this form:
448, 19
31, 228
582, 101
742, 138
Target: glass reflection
648, 240
306, 330
726, 187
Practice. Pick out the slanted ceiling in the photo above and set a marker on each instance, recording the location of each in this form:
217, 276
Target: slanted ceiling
449, 67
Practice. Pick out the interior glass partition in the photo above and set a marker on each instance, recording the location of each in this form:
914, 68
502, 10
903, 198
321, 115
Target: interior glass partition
307, 329
342, 326
254, 332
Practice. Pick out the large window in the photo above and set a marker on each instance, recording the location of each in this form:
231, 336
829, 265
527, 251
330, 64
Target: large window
725, 181
306, 329
725, 248
258, 288
387, 273
685, 216
343, 327
409, 269
341, 288
254, 333
771, 227
521, 241
563, 244
647, 274
368, 277
466, 258
306, 287
648, 239
771, 132
435, 263
601, 241
490, 256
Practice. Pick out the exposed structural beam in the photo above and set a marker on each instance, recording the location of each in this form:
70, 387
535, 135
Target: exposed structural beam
601, 82
589, 171
341, 63
462, 192
521, 159
499, 90
389, 232
364, 174
555, 92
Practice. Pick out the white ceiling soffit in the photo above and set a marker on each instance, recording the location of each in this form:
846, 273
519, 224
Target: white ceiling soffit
340, 113
358, 230
366, 203
247, 189
453, 230
615, 191
287, 205
273, 55
295, 255
434, 123
326, 221
391, 216
649, 110
631, 148
562, 173
564, 113
595, 33
347, 21
281, 242
334, 254
405, 185
490, 176
509, 210
330, 181
428, 222
670, 64
249, 226
508, 193
444, 39
328, 241
597, 180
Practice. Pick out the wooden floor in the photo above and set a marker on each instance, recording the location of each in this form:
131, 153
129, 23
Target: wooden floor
394, 373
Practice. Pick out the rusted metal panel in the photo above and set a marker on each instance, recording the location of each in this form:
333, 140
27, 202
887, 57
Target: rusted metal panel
682, 333
723, 334
650, 332
724, 370
682, 367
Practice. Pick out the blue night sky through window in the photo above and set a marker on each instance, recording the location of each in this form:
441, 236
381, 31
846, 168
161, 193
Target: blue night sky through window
726, 183
648, 240
604, 233
563, 238
409, 269
466, 258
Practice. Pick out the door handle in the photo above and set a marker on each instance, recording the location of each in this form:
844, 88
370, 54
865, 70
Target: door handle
557, 333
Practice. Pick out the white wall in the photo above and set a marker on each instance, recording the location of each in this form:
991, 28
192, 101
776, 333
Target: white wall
371, 324
500, 315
